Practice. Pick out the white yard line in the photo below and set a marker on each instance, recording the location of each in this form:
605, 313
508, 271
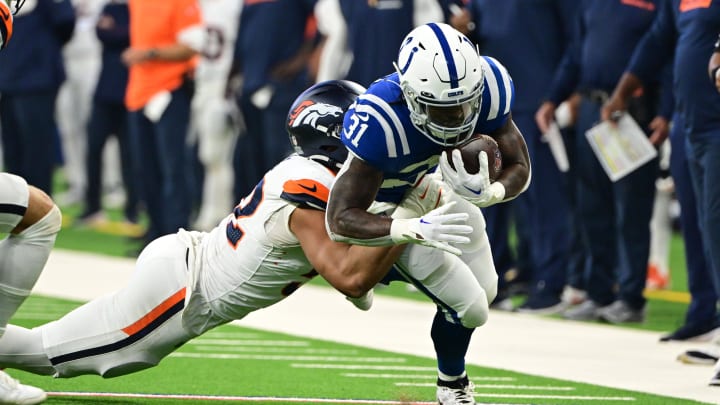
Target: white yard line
591, 353
232, 398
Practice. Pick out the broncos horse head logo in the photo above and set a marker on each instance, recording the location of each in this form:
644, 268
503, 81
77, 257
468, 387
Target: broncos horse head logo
309, 112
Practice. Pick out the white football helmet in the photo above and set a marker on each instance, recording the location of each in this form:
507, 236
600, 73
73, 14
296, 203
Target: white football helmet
442, 80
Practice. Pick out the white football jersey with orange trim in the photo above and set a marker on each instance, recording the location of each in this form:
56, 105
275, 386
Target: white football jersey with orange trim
252, 259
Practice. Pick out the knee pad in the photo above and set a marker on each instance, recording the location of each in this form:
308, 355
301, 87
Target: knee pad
48, 226
477, 313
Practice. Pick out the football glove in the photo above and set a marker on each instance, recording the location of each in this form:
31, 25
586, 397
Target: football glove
427, 195
436, 229
475, 188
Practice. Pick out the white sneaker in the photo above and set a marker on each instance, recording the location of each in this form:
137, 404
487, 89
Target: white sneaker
459, 392
573, 296
363, 303
14, 393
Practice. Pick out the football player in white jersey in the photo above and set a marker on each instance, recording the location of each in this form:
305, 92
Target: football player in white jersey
30, 221
443, 92
215, 117
189, 282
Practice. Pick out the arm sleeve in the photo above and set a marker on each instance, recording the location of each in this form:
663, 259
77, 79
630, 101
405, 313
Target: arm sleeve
62, 17
656, 47
667, 96
116, 37
567, 74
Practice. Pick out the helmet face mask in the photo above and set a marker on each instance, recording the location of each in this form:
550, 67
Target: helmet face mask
315, 120
15, 5
442, 81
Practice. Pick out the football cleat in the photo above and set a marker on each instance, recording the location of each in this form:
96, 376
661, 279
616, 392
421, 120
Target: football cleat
12, 392
458, 392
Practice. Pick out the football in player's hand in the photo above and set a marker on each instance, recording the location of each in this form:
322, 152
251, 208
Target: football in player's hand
470, 152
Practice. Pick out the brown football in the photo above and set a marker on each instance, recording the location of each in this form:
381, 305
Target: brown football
470, 152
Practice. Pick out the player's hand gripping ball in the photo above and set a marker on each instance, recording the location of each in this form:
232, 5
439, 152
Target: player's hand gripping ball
6, 25
470, 151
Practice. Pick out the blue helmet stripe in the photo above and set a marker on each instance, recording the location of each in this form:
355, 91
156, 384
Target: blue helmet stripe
452, 69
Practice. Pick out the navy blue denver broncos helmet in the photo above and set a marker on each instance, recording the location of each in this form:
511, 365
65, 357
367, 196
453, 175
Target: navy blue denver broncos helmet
315, 120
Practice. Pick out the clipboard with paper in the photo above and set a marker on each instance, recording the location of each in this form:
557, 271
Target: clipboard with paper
621, 148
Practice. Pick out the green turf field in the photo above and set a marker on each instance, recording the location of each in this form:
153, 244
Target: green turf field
233, 364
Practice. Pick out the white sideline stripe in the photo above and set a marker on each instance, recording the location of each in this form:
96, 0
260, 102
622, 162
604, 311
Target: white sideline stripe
564, 397
232, 398
48, 316
363, 367
227, 335
419, 376
257, 342
248, 342
225, 356
44, 305
495, 386
271, 350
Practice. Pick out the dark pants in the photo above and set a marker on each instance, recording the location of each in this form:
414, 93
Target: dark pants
29, 136
160, 152
578, 255
266, 140
703, 154
702, 309
107, 119
548, 211
615, 220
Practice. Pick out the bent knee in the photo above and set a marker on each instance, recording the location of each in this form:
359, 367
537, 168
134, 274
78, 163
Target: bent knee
39, 205
477, 313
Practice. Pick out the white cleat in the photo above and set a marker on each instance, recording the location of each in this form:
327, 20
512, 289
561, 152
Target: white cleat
458, 392
14, 393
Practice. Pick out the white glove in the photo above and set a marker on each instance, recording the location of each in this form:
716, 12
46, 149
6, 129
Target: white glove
427, 195
436, 229
475, 188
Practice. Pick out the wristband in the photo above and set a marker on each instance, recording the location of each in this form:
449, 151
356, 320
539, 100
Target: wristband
400, 231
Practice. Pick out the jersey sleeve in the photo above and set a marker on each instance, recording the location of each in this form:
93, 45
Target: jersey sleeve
304, 183
307, 193
497, 98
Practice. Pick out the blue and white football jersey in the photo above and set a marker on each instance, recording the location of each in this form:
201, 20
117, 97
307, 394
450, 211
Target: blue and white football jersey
378, 129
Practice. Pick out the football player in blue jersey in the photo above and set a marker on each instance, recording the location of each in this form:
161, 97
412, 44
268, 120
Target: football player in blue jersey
442, 93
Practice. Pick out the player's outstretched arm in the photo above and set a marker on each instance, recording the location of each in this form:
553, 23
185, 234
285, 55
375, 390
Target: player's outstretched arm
516, 173
351, 269
348, 220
